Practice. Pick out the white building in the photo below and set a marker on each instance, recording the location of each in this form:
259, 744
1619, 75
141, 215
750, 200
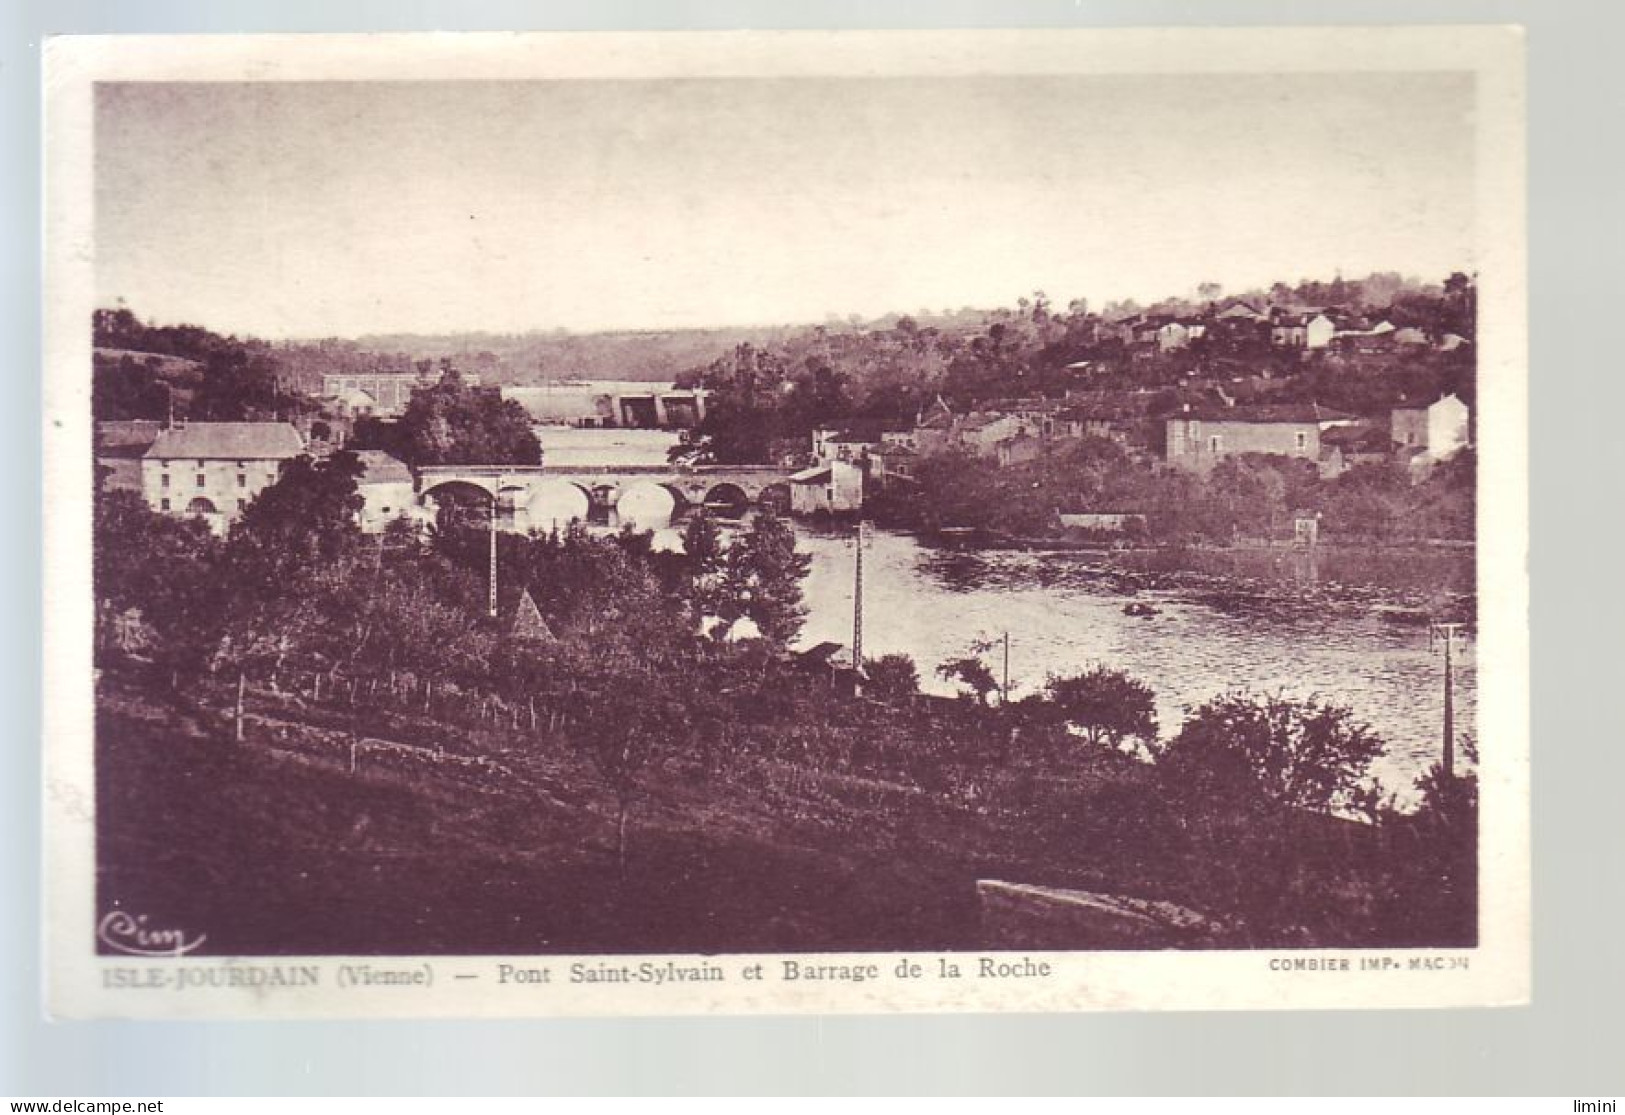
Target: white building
1437, 431
211, 470
830, 488
387, 489
1318, 331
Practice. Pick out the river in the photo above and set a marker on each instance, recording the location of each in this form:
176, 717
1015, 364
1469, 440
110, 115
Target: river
1064, 612
1063, 615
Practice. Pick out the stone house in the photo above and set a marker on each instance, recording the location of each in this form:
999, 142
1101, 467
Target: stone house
212, 469
1308, 329
892, 461
854, 440
1438, 431
1018, 448
981, 433
1199, 437
831, 488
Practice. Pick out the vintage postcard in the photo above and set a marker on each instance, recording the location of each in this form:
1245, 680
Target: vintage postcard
845, 522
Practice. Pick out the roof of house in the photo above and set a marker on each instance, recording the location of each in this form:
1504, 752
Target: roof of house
126, 437
1118, 404
811, 475
1430, 403
382, 468
1358, 438
864, 431
1265, 413
253, 441
355, 398
983, 419
821, 652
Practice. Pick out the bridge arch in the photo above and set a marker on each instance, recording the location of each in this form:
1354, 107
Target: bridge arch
459, 502
457, 490
649, 503
553, 503
727, 498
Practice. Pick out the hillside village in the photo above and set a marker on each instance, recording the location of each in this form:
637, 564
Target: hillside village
1328, 391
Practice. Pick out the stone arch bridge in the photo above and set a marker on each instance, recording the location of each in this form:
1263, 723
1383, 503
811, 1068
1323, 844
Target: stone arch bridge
540, 496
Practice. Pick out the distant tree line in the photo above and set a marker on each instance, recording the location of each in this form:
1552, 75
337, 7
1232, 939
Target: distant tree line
149, 371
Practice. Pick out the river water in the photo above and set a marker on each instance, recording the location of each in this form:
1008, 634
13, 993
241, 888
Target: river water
1063, 616
1064, 612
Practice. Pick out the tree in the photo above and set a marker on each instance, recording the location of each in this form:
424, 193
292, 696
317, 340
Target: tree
1107, 705
973, 674
620, 734
762, 579
1246, 495
1274, 751
705, 562
289, 566
454, 424
893, 677
156, 567
308, 516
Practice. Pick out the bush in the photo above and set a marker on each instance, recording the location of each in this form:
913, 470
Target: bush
1274, 751
1108, 706
893, 677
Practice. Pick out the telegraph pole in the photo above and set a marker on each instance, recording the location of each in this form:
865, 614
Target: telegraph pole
495, 493
857, 602
1005, 690
1447, 633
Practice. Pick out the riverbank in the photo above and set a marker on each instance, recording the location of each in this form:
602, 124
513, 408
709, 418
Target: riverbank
815, 823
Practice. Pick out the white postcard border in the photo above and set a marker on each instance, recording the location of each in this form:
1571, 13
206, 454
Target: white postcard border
82, 984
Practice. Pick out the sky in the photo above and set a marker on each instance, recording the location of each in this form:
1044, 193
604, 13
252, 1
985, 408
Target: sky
299, 210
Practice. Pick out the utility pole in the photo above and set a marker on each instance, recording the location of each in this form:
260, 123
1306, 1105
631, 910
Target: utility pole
495, 493
857, 602
1005, 690
1447, 633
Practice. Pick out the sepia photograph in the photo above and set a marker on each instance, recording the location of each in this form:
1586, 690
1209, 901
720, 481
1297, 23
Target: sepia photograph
900, 516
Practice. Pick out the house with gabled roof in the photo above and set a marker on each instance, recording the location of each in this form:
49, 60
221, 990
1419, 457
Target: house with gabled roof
1437, 430
1199, 437
210, 470
1241, 310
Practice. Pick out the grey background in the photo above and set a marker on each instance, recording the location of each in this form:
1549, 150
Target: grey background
1567, 1044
